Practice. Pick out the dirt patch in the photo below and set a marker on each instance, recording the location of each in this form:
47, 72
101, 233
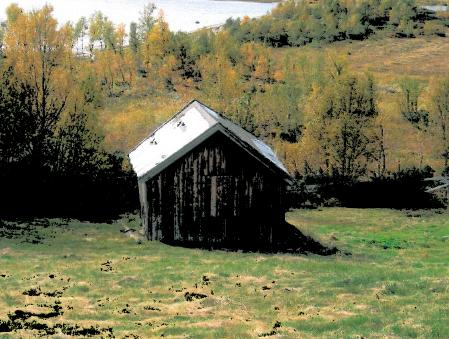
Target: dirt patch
20, 320
335, 315
6, 250
20, 315
249, 279
126, 309
76, 330
151, 308
190, 296
35, 292
106, 266
205, 280
273, 332
210, 302
29, 319
45, 330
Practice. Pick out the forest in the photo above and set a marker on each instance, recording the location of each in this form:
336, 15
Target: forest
76, 97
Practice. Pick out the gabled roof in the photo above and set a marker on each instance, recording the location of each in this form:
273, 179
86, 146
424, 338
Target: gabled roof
188, 128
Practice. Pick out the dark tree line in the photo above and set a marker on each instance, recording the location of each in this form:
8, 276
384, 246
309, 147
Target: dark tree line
62, 172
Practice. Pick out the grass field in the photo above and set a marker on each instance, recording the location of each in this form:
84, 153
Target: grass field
77, 278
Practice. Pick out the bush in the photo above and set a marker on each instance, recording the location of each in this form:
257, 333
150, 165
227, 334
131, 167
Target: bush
404, 189
102, 195
432, 28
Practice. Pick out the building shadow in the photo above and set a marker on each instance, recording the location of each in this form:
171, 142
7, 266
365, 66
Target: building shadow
292, 240
288, 240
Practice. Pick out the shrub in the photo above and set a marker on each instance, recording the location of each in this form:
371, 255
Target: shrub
433, 28
404, 189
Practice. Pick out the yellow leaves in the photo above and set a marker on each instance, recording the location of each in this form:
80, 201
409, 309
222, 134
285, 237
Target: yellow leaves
229, 82
96, 22
34, 36
262, 70
155, 48
127, 122
129, 64
248, 51
295, 155
63, 81
279, 75
221, 81
245, 20
227, 78
120, 36
13, 11
105, 62
107, 67
158, 37
115, 66
40, 53
154, 35
225, 45
168, 67
159, 63
256, 61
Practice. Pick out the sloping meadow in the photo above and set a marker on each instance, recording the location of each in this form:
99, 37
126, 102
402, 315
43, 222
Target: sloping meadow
73, 278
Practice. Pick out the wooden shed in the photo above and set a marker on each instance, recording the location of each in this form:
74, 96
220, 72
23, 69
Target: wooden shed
205, 181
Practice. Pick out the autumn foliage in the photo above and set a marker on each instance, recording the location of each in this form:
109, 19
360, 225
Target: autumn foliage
74, 96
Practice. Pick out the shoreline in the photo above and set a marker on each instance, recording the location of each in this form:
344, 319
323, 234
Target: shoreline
256, 1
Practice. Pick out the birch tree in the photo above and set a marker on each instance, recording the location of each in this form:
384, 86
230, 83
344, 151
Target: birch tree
40, 56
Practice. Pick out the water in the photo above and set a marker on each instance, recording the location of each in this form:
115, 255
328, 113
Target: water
181, 15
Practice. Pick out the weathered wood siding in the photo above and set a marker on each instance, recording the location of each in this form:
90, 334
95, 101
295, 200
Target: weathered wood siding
217, 193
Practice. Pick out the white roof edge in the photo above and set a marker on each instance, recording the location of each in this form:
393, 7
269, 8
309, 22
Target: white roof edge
164, 123
178, 155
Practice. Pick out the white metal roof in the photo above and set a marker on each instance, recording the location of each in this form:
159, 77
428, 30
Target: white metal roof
192, 125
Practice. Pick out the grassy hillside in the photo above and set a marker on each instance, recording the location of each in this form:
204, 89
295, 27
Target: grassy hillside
390, 60
128, 119
79, 278
245, 70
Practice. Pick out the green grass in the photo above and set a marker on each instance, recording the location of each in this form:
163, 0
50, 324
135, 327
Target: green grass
395, 283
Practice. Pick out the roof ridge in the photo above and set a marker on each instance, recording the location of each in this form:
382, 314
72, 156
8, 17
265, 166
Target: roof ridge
209, 117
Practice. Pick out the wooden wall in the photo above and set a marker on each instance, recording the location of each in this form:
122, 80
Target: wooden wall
215, 194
